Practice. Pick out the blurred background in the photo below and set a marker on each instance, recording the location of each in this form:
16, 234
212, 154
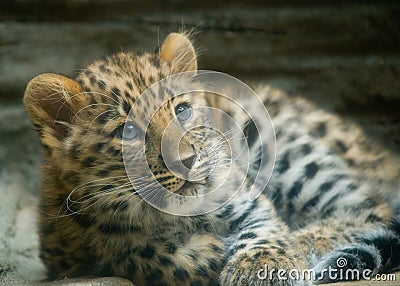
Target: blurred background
343, 56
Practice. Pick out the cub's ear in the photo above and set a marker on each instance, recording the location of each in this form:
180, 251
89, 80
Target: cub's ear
51, 105
178, 51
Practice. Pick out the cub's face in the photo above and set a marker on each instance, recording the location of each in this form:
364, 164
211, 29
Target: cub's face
112, 142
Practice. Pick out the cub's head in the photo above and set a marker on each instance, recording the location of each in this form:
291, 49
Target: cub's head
109, 144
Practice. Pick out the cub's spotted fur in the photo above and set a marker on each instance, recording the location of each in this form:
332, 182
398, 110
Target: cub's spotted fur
92, 222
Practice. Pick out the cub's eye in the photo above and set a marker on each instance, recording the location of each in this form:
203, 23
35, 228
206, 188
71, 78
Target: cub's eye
183, 112
128, 131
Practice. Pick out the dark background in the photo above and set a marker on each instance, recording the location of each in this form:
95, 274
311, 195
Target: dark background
334, 51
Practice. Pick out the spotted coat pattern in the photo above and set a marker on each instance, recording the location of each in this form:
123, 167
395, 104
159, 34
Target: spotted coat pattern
92, 221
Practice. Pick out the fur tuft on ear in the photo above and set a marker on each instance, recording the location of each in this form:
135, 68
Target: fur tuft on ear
49, 102
178, 51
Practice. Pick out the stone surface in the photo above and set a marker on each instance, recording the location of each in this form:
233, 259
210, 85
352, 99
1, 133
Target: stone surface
19, 181
106, 281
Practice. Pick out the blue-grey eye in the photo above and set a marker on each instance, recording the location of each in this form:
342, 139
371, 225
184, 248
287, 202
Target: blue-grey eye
129, 131
183, 112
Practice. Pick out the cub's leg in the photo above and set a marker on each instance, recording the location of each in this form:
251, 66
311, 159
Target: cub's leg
198, 261
365, 253
351, 243
258, 241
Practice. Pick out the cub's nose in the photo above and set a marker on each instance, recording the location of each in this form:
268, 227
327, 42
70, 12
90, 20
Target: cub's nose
187, 155
176, 166
189, 161
179, 159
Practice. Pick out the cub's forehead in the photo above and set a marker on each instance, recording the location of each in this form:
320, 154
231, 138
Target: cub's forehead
121, 82
122, 77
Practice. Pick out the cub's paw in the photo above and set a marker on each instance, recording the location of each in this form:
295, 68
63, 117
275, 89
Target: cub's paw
262, 267
354, 262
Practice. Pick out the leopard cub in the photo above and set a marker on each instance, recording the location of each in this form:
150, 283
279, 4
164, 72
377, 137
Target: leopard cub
93, 221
